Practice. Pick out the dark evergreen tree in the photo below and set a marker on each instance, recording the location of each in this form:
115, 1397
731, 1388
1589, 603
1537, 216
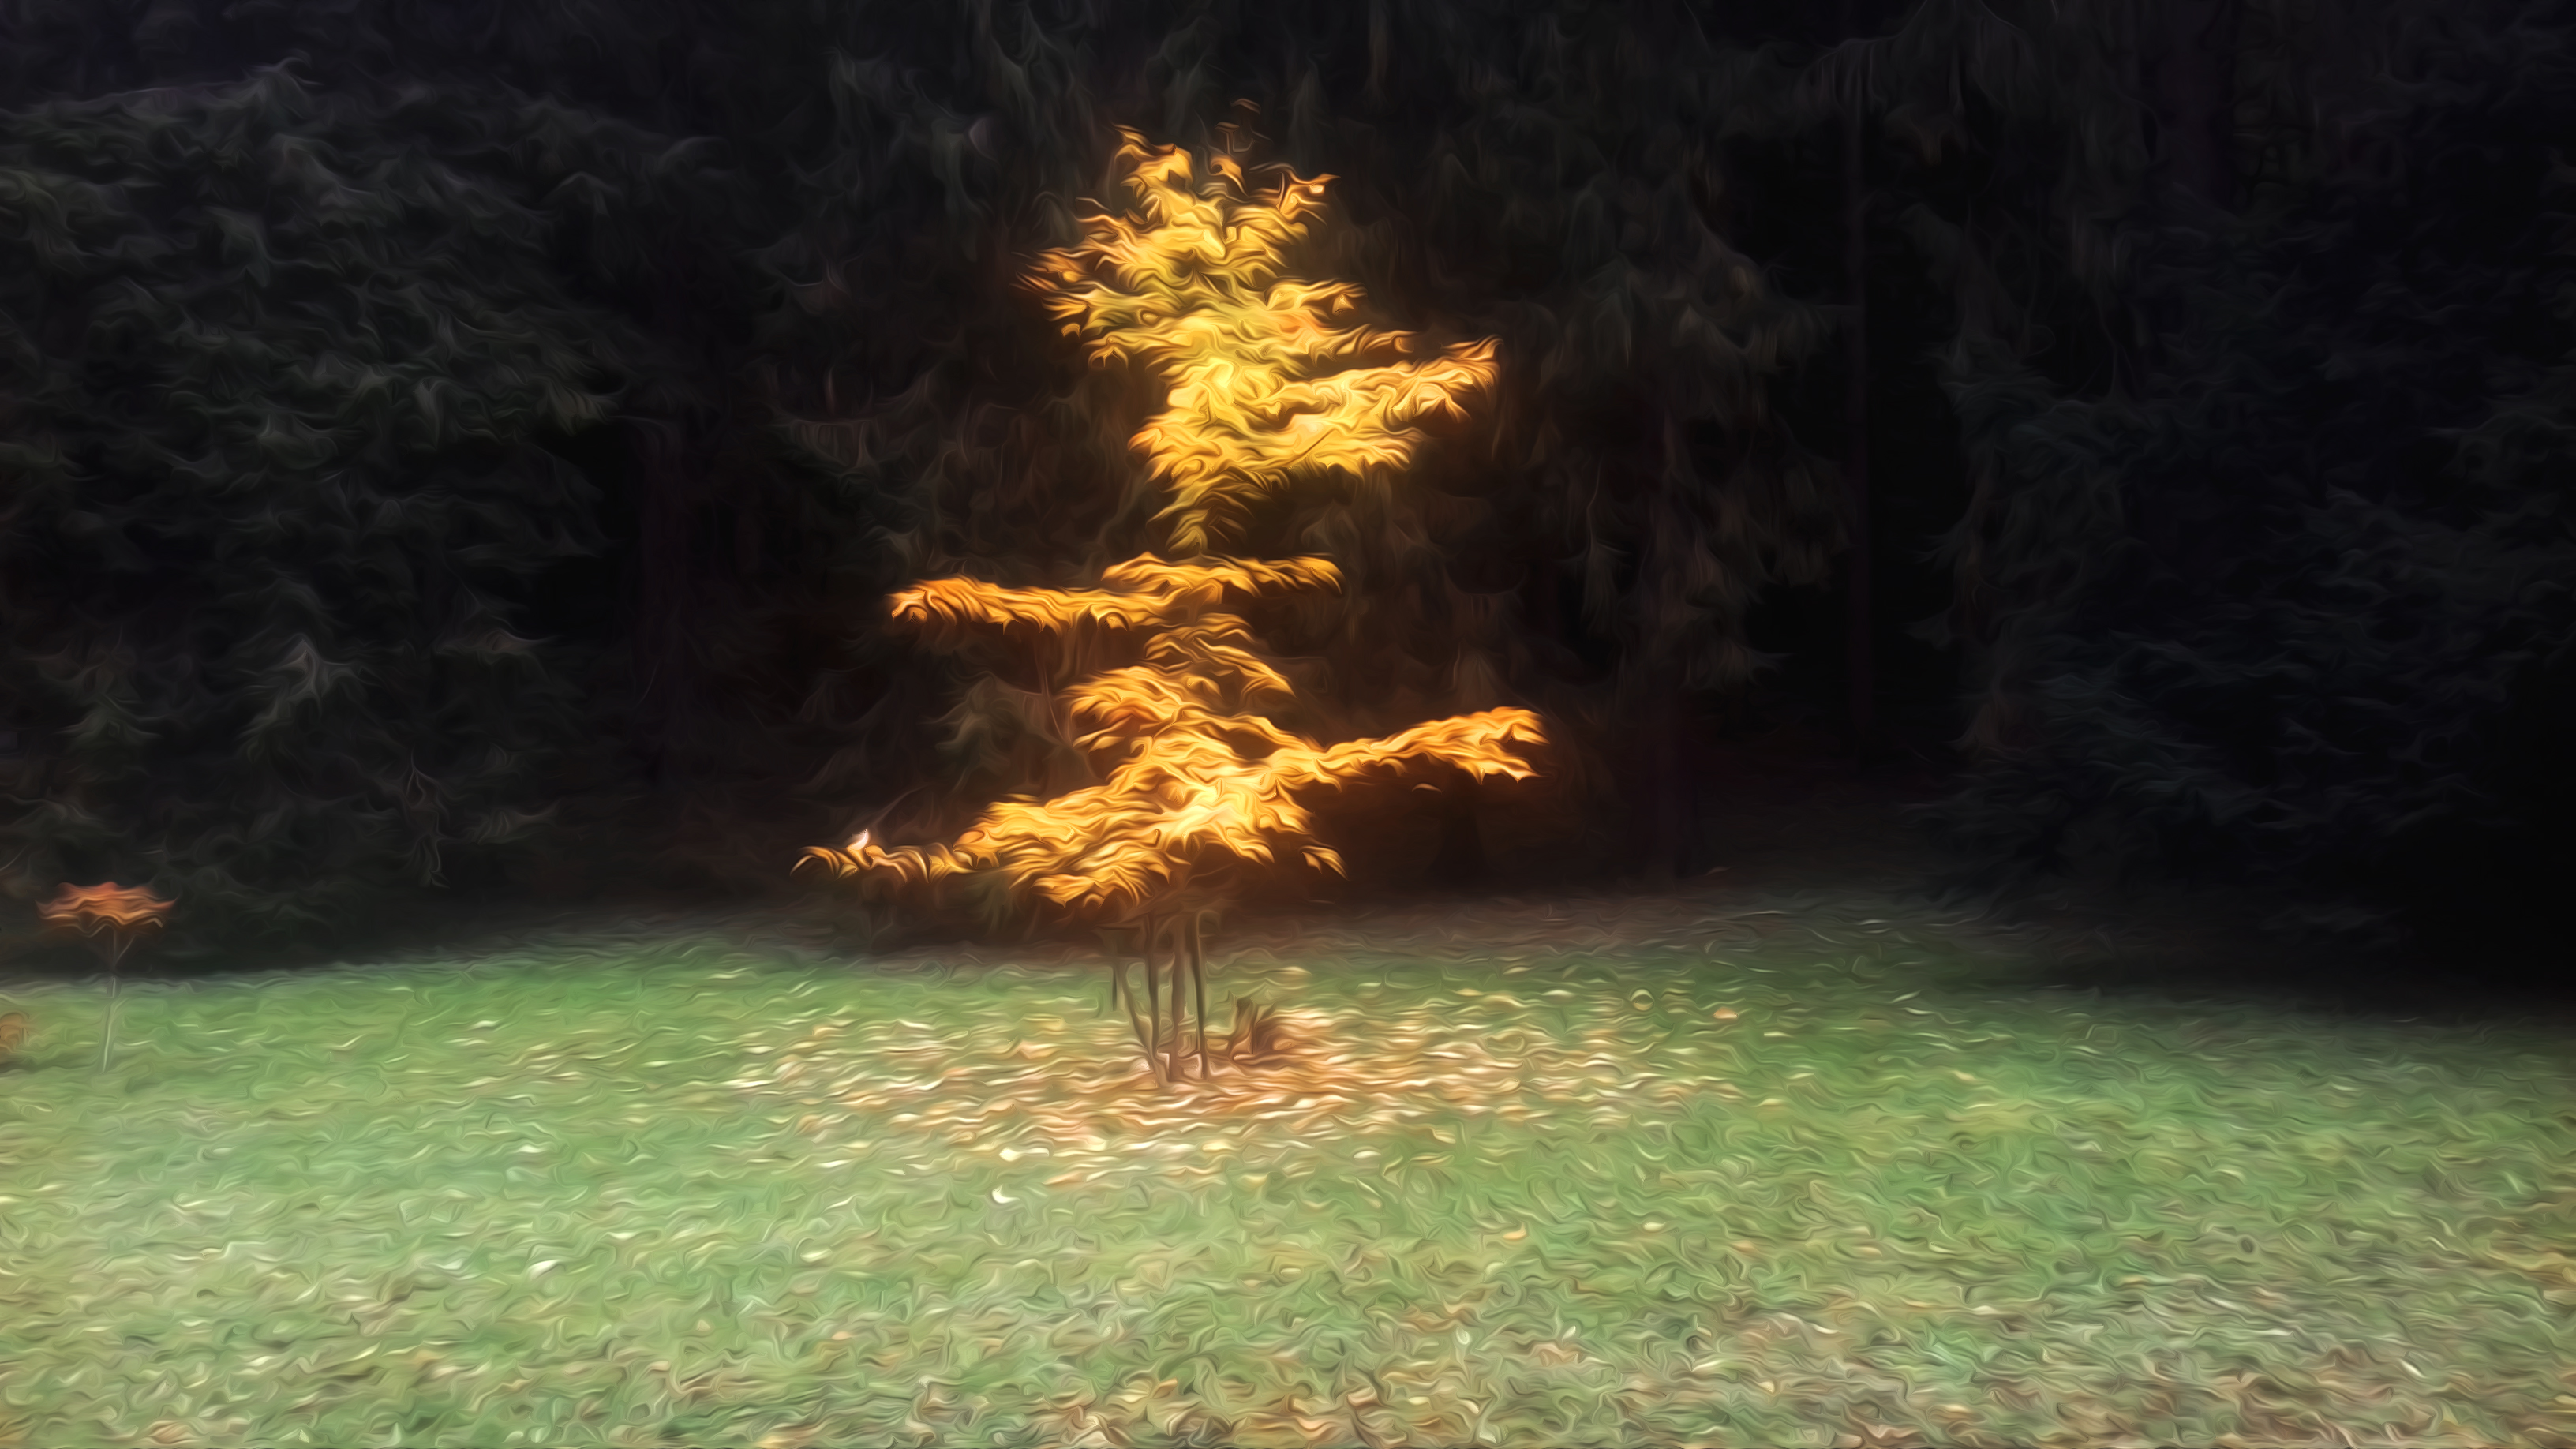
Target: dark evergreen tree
2289, 603
2252, 329
279, 369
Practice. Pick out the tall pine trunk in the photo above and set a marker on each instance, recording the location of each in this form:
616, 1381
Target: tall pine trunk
667, 596
1860, 681
1672, 791
2192, 85
665, 670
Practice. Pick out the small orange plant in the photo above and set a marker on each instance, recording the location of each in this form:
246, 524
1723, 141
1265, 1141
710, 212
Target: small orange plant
1270, 382
118, 912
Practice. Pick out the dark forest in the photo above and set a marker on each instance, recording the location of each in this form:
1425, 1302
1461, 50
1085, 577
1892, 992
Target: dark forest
466, 462
447, 444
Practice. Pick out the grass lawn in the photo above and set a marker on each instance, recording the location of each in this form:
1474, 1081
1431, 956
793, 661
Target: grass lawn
1521, 1180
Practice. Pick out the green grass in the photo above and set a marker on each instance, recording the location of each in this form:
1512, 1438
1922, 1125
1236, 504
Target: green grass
641, 1188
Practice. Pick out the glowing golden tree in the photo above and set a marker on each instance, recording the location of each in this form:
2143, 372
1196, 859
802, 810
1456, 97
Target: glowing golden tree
1270, 382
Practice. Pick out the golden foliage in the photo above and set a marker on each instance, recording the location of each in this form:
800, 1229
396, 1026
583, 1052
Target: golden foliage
87, 909
1144, 593
1269, 381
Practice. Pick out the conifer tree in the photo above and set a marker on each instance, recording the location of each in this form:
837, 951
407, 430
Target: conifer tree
278, 371
2171, 246
2261, 578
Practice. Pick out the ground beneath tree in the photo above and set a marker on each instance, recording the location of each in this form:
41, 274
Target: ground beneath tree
1786, 1154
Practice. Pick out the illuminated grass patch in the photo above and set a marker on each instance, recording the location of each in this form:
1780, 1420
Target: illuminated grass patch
1524, 1185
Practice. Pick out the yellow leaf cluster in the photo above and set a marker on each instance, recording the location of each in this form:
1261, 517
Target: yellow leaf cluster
1269, 381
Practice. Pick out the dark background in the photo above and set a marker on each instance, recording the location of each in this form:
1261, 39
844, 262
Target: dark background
455, 450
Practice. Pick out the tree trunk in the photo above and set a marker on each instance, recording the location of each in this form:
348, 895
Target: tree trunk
2190, 74
1860, 681
1666, 785
669, 593
1198, 987
1460, 860
665, 672
2192, 83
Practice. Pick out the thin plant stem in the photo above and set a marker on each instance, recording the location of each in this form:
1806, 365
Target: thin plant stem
1153, 999
1123, 996
1198, 983
107, 1040
1177, 933
1117, 976
1144, 1027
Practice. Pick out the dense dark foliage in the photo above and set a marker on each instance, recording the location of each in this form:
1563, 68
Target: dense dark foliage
278, 369
500, 377
2293, 607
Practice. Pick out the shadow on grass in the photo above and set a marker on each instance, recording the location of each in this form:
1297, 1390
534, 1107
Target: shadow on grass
2214, 946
